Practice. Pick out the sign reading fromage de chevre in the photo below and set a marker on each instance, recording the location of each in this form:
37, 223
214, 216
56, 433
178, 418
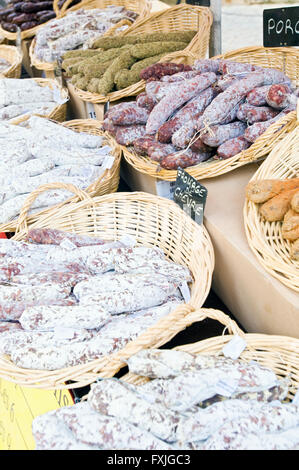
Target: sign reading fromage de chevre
190, 195
281, 27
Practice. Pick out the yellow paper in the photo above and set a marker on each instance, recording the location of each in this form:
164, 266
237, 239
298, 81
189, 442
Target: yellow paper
19, 406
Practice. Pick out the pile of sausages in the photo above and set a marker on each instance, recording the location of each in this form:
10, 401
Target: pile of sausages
245, 409
26, 14
212, 110
67, 299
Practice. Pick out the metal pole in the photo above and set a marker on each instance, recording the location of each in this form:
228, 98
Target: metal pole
215, 38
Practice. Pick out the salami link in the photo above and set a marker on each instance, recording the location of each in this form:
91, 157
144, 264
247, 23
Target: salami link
157, 151
184, 159
142, 144
49, 236
126, 135
257, 96
114, 398
178, 77
144, 101
187, 112
231, 67
251, 114
160, 69
280, 96
176, 97
66, 279
107, 432
206, 65
50, 432
48, 317
14, 299
253, 132
184, 134
216, 135
130, 115
108, 126
232, 147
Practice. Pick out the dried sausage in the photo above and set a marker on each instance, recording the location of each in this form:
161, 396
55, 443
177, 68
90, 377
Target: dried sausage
175, 98
218, 134
232, 147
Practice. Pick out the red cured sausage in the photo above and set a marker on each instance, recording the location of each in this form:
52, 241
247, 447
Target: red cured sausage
183, 159
279, 96
108, 126
232, 147
231, 67
142, 144
130, 115
251, 114
126, 135
144, 101
185, 133
48, 236
157, 151
176, 97
254, 131
160, 69
199, 147
178, 77
257, 96
187, 112
218, 134
206, 65
223, 104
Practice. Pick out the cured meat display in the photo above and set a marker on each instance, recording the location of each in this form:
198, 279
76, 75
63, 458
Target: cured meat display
68, 299
46, 152
193, 402
77, 29
213, 111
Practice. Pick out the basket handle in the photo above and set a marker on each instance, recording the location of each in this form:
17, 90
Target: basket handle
167, 330
22, 219
61, 11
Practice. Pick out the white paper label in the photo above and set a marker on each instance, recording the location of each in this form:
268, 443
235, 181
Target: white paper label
235, 347
67, 245
128, 240
91, 110
165, 189
226, 388
108, 162
185, 291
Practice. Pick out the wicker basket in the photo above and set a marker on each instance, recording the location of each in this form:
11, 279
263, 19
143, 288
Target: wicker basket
30, 33
152, 221
278, 353
142, 7
59, 112
107, 183
285, 59
14, 57
178, 18
265, 238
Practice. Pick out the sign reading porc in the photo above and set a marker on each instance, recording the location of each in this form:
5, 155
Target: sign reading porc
281, 27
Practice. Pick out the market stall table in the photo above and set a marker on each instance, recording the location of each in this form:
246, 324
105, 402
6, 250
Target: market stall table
256, 299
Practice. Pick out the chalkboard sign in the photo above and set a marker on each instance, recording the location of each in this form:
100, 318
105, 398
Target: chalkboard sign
190, 195
281, 27
199, 3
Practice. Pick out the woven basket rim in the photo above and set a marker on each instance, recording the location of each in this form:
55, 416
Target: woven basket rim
257, 151
279, 353
201, 36
106, 183
264, 238
144, 8
201, 257
15, 58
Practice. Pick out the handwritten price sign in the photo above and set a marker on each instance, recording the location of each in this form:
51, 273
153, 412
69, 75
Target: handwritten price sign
19, 406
